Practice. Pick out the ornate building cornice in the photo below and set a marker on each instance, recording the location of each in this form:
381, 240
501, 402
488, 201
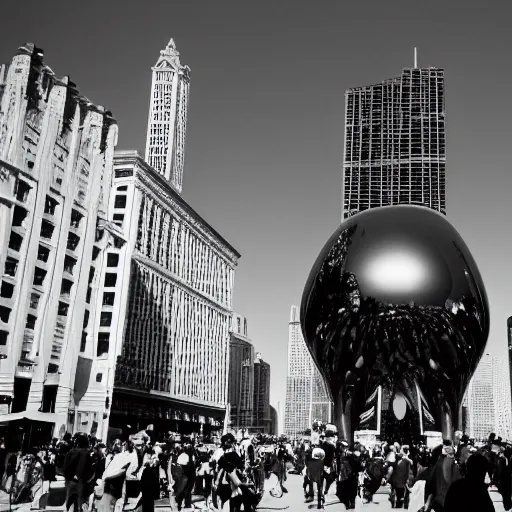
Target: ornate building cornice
154, 183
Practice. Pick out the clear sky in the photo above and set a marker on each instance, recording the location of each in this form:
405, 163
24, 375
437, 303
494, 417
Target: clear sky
265, 126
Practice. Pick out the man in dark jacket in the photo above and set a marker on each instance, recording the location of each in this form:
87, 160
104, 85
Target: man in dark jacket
470, 493
77, 470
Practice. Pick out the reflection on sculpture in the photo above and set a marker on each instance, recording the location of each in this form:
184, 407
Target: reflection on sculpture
395, 299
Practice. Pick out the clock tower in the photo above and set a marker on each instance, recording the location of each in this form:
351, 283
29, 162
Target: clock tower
167, 122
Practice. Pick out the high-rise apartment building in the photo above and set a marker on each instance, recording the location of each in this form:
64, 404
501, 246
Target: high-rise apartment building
487, 400
167, 122
241, 374
261, 405
56, 163
395, 143
307, 398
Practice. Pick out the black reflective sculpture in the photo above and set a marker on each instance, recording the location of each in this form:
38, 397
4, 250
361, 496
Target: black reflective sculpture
396, 300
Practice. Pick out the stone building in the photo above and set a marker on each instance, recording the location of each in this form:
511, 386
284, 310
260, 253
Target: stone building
56, 160
261, 407
162, 309
241, 375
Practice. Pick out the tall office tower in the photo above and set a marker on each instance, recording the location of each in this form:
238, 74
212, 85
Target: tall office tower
261, 406
155, 341
509, 339
167, 122
307, 398
241, 375
56, 160
395, 143
488, 401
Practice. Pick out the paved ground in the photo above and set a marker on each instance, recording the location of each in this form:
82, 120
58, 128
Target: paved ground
292, 501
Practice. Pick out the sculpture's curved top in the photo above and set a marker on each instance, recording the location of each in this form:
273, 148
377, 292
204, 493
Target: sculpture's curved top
396, 298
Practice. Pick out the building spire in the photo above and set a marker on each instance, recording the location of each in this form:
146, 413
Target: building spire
415, 57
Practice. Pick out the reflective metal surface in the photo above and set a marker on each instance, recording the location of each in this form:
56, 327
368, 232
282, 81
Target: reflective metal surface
395, 299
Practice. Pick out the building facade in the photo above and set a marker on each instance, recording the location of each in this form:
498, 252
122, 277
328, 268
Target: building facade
162, 311
307, 398
261, 404
509, 346
274, 421
395, 149
241, 375
56, 162
487, 401
167, 122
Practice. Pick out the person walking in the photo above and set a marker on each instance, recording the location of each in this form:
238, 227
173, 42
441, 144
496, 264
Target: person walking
77, 469
470, 493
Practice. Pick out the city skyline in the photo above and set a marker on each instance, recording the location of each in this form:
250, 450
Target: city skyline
263, 164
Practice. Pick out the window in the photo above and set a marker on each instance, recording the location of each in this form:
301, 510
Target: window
88, 296
83, 342
15, 241
108, 298
43, 253
18, 216
118, 219
53, 368
21, 191
50, 205
120, 202
110, 280
73, 241
122, 188
103, 343
7, 290
39, 275
76, 217
34, 300
63, 309
69, 264
65, 288
86, 318
5, 313
99, 234
31, 322
47, 229
112, 259
99, 376
95, 252
91, 274
11, 265
105, 319
3, 337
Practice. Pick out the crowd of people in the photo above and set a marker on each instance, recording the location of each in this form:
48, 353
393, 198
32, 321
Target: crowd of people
453, 476
234, 473
231, 474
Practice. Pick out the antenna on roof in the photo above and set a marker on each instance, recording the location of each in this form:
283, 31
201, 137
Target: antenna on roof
415, 57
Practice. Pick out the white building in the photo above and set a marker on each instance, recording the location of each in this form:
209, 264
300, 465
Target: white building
167, 122
487, 401
56, 154
307, 398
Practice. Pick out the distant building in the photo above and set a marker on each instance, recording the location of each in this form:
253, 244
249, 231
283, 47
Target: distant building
167, 122
509, 339
261, 406
241, 374
274, 421
395, 148
56, 165
487, 400
307, 398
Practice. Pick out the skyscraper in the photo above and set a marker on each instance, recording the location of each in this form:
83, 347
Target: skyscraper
241, 374
167, 122
509, 339
262, 419
307, 398
395, 143
488, 401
